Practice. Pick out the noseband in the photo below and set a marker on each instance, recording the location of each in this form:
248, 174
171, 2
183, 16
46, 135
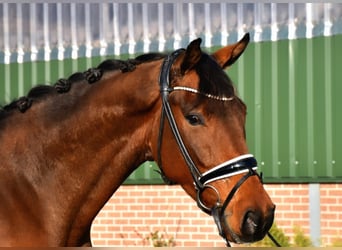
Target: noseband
241, 164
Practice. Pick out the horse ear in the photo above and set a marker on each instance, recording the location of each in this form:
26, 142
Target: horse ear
229, 54
192, 55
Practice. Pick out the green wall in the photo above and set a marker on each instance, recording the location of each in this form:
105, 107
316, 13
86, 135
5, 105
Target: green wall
291, 87
292, 90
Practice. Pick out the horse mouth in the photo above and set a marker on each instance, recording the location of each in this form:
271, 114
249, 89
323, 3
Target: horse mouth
253, 228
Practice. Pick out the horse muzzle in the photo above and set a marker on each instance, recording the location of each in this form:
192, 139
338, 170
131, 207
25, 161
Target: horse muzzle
253, 227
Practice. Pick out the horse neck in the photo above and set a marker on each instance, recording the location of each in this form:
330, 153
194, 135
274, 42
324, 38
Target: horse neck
115, 140
89, 152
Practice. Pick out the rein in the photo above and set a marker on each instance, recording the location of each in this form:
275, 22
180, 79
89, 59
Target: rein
241, 164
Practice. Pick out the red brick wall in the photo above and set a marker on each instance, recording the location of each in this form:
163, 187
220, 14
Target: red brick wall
135, 211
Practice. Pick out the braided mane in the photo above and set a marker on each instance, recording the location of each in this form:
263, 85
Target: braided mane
208, 70
63, 85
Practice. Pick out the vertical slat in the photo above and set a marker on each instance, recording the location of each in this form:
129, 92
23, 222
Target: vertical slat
191, 14
73, 37
103, 28
257, 21
283, 98
330, 116
60, 40
46, 41
319, 102
161, 30
20, 43
275, 92
33, 28
7, 49
7, 53
309, 24
328, 106
327, 20
73, 33
240, 22
291, 24
207, 26
131, 41
33, 42
258, 88
224, 28
312, 162
116, 26
274, 25
293, 161
89, 46
301, 107
177, 22
60, 45
241, 61
47, 48
145, 22
20, 49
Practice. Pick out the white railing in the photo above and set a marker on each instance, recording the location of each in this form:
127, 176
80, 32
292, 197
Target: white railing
44, 31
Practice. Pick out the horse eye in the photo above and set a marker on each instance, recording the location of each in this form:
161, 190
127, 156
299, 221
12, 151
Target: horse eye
194, 119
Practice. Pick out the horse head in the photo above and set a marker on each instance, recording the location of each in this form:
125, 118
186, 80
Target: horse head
205, 135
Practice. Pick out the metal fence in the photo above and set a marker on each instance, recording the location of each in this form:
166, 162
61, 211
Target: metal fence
45, 31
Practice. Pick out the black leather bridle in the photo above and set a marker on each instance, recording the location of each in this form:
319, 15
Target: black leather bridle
241, 164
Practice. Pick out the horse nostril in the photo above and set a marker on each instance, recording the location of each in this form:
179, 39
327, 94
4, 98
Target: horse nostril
250, 223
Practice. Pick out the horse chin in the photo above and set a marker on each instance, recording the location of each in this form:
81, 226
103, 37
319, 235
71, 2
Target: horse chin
241, 236
232, 236
239, 239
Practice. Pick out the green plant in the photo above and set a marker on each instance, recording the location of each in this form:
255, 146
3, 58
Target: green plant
300, 240
337, 243
278, 234
158, 239
154, 239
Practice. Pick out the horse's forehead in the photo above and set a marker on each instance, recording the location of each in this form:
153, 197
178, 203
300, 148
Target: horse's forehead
210, 104
191, 79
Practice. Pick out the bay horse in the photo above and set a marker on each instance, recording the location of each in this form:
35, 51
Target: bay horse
65, 149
